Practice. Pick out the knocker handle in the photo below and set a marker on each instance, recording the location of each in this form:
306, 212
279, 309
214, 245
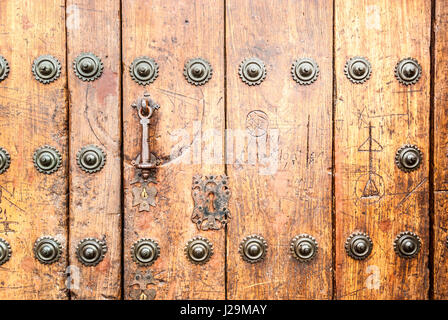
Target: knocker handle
145, 108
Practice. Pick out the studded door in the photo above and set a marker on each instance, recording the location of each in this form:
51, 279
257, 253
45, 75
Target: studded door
223, 149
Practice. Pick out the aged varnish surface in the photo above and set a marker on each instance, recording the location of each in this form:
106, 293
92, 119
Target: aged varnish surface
223, 149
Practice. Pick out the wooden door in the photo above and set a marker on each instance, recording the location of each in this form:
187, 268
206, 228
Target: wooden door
223, 149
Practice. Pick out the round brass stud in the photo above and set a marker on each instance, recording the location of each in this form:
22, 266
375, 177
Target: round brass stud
358, 245
198, 71
91, 158
144, 70
199, 250
358, 69
407, 244
5, 160
252, 71
5, 251
91, 251
408, 71
47, 250
145, 252
253, 248
408, 158
88, 67
46, 69
4, 68
305, 71
303, 247
47, 159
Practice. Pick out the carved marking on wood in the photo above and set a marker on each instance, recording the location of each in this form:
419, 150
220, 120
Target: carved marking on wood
257, 123
370, 186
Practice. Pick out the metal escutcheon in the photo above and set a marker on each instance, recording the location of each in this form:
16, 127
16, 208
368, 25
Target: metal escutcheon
358, 69
5, 160
199, 250
46, 69
407, 244
4, 68
408, 158
144, 70
253, 248
358, 245
5, 251
252, 71
91, 251
408, 71
145, 252
303, 247
47, 250
88, 67
91, 158
47, 159
305, 71
198, 71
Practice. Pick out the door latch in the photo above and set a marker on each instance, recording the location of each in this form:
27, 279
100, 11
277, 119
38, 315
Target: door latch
146, 161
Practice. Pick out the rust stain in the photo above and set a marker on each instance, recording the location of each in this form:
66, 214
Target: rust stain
106, 86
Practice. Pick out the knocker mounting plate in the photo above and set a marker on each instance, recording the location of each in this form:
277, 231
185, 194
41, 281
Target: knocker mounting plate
211, 198
146, 162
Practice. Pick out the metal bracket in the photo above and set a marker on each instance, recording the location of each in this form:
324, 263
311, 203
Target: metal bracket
211, 198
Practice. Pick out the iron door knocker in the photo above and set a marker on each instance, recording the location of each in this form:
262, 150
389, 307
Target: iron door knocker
146, 161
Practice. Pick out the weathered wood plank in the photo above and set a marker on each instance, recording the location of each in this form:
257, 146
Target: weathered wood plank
32, 204
172, 32
95, 118
440, 266
384, 32
285, 189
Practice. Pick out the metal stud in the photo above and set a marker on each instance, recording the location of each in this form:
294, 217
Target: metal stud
199, 250
4, 68
252, 71
5, 251
5, 160
408, 158
91, 251
46, 69
198, 71
253, 248
305, 71
145, 251
303, 247
358, 245
47, 250
144, 70
407, 244
358, 69
91, 158
88, 67
47, 159
408, 71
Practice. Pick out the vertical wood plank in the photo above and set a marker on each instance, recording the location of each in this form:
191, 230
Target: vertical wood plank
284, 189
172, 32
95, 118
384, 32
32, 204
440, 150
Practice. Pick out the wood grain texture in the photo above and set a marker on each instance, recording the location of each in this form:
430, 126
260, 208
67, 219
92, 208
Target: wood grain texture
280, 181
173, 32
95, 118
440, 150
32, 114
385, 32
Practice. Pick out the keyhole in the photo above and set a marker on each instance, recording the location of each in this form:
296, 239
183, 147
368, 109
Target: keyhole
144, 194
211, 202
